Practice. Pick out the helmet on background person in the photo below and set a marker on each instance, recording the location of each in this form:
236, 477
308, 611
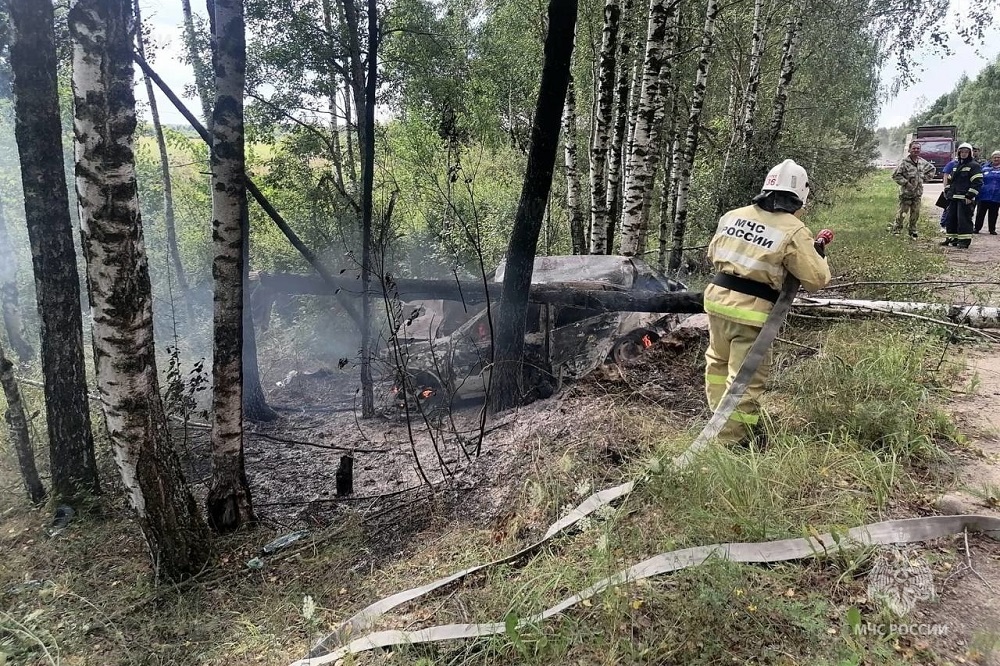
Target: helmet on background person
788, 177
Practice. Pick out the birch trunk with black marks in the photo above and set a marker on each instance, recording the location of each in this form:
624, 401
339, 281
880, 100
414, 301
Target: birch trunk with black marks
20, 439
169, 220
577, 226
667, 91
229, 503
255, 407
745, 133
120, 292
642, 157
9, 297
603, 110
194, 47
672, 166
667, 192
38, 132
789, 49
367, 211
635, 87
602, 240
505, 379
693, 131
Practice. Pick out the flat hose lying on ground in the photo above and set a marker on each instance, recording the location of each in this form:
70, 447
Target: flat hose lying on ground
898, 531
889, 532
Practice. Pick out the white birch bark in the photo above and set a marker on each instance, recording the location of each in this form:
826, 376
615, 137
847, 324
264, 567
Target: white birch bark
601, 237
789, 49
633, 110
120, 292
693, 129
573, 192
642, 157
603, 110
229, 502
757, 43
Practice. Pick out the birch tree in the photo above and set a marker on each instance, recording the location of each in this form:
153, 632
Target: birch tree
229, 501
9, 297
642, 155
603, 119
169, 223
789, 48
747, 127
577, 231
120, 291
38, 132
693, 130
602, 239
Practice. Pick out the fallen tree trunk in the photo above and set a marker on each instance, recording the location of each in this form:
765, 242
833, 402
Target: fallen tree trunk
588, 295
597, 296
976, 316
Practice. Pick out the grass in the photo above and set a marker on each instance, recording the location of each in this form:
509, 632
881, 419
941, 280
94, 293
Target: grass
857, 434
864, 251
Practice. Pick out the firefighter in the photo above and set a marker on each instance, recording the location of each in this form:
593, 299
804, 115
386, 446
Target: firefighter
753, 249
961, 193
910, 175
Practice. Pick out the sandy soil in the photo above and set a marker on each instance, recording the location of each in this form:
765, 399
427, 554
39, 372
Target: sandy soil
968, 602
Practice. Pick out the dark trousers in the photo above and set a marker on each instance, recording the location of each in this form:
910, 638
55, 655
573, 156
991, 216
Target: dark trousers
959, 228
987, 210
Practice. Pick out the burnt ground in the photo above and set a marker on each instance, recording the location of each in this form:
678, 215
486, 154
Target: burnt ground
292, 462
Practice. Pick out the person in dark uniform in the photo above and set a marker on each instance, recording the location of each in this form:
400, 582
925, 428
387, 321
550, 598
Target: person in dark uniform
961, 193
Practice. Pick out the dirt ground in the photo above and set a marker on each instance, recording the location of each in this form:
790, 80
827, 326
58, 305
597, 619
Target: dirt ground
292, 464
968, 604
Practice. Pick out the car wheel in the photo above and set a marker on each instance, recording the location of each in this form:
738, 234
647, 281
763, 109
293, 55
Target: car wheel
634, 345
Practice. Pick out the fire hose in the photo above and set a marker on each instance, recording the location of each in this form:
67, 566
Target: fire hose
888, 532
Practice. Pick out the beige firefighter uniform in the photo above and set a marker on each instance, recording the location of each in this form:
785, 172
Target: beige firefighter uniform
761, 248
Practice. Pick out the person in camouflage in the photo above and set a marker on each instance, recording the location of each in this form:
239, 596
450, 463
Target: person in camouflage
911, 174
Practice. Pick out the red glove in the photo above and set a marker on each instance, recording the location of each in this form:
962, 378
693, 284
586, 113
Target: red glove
825, 237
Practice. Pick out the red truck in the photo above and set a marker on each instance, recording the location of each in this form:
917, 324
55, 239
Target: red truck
938, 144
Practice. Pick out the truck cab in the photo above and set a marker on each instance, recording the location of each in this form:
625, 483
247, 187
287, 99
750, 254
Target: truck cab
938, 144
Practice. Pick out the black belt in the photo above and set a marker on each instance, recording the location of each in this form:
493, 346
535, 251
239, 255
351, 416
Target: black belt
746, 286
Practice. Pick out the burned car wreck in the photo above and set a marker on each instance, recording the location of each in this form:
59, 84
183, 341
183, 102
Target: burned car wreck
442, 349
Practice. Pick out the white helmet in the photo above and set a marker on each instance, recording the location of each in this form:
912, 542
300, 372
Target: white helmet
965, 145
788, 177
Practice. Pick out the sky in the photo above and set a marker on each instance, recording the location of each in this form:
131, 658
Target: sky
937, 75
165, 21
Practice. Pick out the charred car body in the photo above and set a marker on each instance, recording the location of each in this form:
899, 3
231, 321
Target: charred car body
443, 350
